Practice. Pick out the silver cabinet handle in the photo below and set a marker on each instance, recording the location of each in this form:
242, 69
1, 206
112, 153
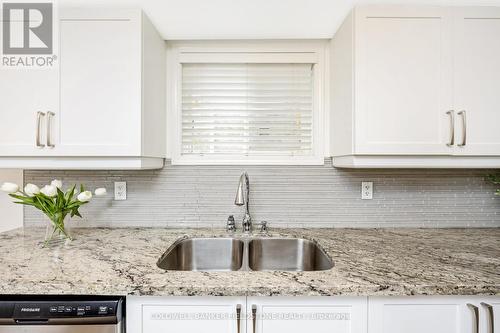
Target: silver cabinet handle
451, 142
475, 310
464, 128
49, 129
254, 317
39, 116
238, 318
491, 315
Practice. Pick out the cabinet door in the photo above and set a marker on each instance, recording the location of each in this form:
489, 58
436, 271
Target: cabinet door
306, 314
428, 314
477, 79
23, 93
100, 94
185, 314
403, 80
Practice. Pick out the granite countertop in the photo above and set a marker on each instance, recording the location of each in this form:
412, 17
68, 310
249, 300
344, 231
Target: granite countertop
367, 262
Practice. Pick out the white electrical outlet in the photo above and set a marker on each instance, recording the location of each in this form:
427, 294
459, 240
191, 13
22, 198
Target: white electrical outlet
120, 190
366, 190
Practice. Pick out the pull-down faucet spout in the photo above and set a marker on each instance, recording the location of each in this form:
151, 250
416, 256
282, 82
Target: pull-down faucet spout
244, 199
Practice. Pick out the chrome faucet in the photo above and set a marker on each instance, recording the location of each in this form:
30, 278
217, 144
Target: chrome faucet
242, 199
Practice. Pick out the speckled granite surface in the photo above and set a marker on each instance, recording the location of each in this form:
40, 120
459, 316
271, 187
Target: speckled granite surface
367, 262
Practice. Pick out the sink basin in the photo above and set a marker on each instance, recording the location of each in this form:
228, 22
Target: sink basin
256, 254
285, 254
203, 254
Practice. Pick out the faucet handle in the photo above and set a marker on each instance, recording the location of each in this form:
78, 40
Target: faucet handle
263, 227
230, 225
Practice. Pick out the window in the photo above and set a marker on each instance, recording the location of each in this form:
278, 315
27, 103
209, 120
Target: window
247, 108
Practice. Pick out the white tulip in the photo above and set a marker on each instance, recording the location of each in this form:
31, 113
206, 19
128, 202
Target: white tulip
84, 196
9, 187
49, 190
100, 191
31, 190
56, 183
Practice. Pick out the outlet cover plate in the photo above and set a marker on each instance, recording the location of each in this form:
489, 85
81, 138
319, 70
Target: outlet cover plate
120, 191
366, 190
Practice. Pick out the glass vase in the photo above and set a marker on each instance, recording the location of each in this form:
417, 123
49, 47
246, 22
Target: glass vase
57, 232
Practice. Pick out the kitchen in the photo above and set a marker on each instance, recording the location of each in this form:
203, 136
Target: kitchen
185, 166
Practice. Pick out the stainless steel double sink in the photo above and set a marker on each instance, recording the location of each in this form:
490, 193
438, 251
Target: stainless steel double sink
245, 254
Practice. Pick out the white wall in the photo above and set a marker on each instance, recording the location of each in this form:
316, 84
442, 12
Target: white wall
11, 215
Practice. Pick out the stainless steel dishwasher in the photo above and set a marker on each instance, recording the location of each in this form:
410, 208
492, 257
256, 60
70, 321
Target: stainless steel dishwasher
61, 314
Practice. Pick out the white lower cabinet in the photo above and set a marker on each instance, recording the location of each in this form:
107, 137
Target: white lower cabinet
251, 315
306, 314
432, 314
336, 314
185, 314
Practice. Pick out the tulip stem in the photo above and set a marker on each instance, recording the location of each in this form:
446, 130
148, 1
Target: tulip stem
57, 222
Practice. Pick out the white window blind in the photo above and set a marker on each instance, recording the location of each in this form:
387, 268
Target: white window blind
258, 110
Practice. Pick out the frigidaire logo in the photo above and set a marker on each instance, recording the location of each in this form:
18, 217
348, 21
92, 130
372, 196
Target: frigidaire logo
30, 309
28, 34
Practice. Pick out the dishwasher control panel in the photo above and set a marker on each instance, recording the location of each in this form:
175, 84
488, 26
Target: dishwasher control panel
74, 309
41, 310
61, 309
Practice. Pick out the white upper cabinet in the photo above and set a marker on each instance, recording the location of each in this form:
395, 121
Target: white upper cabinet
410, 83
26, 96
100, 85
102, 108
477, 80
403, 81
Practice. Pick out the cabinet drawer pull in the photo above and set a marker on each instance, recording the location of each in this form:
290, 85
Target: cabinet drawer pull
39, 116
464, 128
254, 317
475, 310
491, 316
49, 129
451, 142
238, 317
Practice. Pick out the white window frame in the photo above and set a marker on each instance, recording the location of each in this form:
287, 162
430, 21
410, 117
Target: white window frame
310, 51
